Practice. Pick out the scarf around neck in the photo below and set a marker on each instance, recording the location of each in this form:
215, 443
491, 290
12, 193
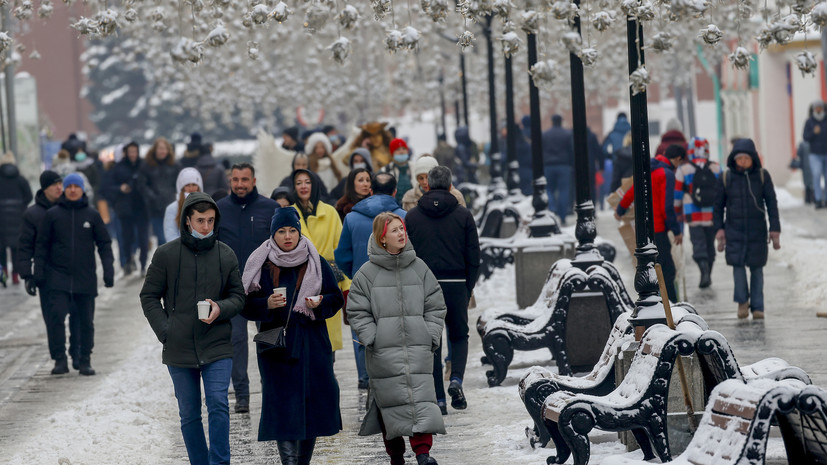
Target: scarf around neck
304, 252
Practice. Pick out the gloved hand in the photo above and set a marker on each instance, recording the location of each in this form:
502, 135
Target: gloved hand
775, 237
108, 281
720, 236
31, 287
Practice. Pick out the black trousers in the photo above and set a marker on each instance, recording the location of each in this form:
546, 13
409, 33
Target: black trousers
665, 259
703, 243
131, 226
82, 308
456, 324
74, 329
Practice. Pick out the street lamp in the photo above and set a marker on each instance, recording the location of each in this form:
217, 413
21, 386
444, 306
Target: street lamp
513, 176
496, 156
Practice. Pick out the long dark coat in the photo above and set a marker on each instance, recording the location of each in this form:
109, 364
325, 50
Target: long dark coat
15, 196
299, 392
157, 185
742, 206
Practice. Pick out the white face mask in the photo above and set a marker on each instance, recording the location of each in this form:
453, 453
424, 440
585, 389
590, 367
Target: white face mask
356, 166
198, 235
818, 115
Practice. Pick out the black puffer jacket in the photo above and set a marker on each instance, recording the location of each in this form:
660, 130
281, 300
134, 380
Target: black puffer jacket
444, 235
183, 272
64, 253
742, 206
15, 195
157, 186
32, 219
126, 204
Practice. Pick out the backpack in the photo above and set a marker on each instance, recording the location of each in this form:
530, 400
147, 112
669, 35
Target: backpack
703, 187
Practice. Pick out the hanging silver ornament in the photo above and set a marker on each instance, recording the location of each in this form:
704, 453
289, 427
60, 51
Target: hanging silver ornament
35, 55
315, 17
438, 10
46, 9
259, 14
247, 20
629, 7
589, 56
24, 11
340, 49
781, 32
465, 40
410, 38
478, 10
530, 22
572, 41
253, 50
348, 17
157, 14
764, 37
380, 8
740, 58
280, 13
393, 42
187, 50
806, 63
639, 80
602, 20
107, 22
818, 15
216, 13
159, 26
645, 12
130, 15
511, 43
425, 5
711, 34
218, 36
543, 74
86, 26
197, 5
5, 42
462, 7
502, 8
660, 42
564, 10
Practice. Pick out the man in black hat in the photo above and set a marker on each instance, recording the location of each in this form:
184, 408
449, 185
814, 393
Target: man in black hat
290, 139
51, 188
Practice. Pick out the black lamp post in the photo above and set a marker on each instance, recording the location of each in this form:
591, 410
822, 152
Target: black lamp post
496, 157
648, 308
513, 176
543, 224
585, 231
464, 81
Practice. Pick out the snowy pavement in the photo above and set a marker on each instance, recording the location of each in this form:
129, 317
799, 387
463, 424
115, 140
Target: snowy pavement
127, 413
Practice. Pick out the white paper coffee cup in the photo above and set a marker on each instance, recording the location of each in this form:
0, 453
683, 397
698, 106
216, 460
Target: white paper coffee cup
315, 299
203, 310
281, 292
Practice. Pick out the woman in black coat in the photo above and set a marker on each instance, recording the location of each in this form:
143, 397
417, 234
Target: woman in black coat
300, 395
156, 181
745, 199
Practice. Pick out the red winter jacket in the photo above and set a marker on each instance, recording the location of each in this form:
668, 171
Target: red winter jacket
663, 188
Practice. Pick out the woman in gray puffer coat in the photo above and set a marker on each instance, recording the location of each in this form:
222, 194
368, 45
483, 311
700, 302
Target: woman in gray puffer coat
396, 307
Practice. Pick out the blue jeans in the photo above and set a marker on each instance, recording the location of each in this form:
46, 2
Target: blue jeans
754, 292
359, 355
187, 383
558, 179
158, 229
818, 166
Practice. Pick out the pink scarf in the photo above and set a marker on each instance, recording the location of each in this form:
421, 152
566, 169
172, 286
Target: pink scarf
304, 252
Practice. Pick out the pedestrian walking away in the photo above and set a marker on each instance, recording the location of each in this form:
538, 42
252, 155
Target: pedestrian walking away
696, 184
193, 271
815, 134
352, 251
15, 196
321, 224
745, 201
130, 208
64, 262
291, 292
558, 159
245, 224
397, 309
444, 235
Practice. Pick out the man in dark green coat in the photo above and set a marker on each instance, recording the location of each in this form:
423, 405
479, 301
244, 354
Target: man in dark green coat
193, 268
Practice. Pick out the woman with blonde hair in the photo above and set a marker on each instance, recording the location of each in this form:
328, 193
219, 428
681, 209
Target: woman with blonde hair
188, 181
396, 308
156, 182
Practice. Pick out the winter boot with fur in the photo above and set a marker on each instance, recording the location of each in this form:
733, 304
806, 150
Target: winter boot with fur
706, 278
425, 459
743, 310
86, 367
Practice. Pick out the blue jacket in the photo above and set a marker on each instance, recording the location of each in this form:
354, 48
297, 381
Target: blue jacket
245, 223
352, 251
558, 147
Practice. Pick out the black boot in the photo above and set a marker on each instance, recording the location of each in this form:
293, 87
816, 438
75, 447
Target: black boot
706, 278
306, 447
425, 459
86, 367
808, 195
61, 366
288, 452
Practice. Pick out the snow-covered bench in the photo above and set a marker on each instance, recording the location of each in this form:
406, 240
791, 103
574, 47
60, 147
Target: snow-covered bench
502, 334
638, 403
805, 429
736, 424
